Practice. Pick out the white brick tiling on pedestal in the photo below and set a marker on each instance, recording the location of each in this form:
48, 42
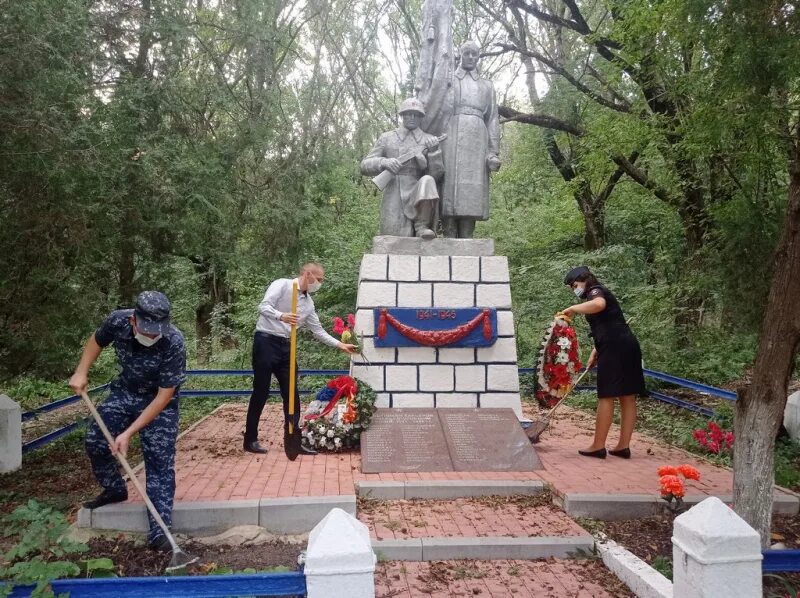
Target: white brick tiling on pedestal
416, 355
373, 267
436, 377
417, 400
377, 294
454, 295
404, 267
446, 376
414, 294
434, 267
466, 269
401, 377
462, 400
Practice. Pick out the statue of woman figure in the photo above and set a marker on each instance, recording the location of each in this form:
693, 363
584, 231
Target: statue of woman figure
472, 147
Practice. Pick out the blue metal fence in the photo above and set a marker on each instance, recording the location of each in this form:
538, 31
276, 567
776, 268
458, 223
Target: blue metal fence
257, 584
656, 375
781, 561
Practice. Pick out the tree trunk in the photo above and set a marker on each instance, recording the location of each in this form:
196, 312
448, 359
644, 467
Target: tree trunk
204, 311
759, 410
126, 270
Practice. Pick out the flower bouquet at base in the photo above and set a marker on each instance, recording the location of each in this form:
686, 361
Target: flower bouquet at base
339, 413
347, 334
559, 362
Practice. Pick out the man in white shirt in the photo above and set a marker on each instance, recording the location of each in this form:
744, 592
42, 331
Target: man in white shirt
271, 346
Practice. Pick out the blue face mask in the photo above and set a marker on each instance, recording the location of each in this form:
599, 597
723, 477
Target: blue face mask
578, 292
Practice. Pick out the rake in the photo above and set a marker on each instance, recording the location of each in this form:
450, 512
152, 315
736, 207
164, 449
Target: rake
537, 428
180, 559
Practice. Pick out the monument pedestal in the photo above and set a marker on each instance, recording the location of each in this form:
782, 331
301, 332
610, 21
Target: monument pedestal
440, 274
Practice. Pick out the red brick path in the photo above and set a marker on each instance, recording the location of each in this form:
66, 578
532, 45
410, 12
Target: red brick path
211, 464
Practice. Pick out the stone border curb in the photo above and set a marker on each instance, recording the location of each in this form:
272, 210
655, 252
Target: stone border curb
447, 489
292, 515
641, 578
481, 548
612, 507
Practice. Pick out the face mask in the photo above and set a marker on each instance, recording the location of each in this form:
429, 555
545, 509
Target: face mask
146, 340
313, 287
578, 292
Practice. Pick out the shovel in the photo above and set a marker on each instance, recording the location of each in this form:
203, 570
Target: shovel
538, 427
291, 437
180, 559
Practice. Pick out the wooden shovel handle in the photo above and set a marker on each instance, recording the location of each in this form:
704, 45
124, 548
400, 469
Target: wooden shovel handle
292, 362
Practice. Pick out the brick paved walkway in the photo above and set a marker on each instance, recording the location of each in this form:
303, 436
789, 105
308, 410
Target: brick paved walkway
211, 464
549, 578
523, 516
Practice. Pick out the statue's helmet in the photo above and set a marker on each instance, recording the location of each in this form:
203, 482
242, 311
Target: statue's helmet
412, 105
470, 44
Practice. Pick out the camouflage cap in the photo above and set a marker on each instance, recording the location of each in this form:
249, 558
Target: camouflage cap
412, 105
152, 312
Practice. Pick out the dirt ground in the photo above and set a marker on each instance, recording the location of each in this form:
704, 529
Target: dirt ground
651, 537
131, 559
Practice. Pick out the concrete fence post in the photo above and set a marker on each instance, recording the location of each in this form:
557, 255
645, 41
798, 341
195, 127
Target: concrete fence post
10, 435
340, 562
715, 554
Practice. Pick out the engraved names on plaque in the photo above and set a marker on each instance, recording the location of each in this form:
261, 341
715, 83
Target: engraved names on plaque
404, 440
409, 440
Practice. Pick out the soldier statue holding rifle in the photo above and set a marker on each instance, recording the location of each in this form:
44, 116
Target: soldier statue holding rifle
405, 164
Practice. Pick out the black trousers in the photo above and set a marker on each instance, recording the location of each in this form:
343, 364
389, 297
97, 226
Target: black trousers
270, 356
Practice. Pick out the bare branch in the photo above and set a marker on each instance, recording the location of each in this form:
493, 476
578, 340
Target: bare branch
645, 181
540, 120
587, 91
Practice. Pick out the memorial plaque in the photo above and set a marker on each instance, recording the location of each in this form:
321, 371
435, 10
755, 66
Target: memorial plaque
409, 440
404, 440
487, 440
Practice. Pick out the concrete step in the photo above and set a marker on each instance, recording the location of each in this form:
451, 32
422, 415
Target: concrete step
447, 489
612, 507
293, 515
484, 548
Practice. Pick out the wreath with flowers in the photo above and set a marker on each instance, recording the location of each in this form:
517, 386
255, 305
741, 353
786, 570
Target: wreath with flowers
559, 362
338, 415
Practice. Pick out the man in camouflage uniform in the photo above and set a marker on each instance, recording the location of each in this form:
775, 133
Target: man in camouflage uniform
410, 201
144, 399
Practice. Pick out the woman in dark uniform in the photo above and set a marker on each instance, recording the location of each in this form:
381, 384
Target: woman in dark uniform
618, 357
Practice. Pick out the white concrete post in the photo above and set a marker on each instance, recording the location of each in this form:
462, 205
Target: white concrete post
715, 554
10, 435
791, 416
340, 562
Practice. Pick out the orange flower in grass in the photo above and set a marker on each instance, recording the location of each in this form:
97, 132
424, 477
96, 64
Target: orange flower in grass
667, 470
689, 472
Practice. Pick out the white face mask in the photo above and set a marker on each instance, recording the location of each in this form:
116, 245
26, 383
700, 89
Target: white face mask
313, 287
578, 292
146, 340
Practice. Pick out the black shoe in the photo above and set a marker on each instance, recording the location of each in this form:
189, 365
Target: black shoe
599, 453
307, 450
622, 453
106, 497
160, 544
254, 447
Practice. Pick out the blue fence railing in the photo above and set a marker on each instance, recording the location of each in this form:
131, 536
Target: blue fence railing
781, 561
58, 433
208, 586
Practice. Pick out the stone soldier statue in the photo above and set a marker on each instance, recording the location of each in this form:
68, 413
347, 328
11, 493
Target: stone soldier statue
410, 199
143, 399
472, 147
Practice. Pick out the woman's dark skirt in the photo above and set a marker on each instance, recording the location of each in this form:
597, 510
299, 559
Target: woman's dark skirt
619, 368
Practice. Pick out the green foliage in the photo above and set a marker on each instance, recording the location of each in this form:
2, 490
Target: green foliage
38, 555
663, 564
